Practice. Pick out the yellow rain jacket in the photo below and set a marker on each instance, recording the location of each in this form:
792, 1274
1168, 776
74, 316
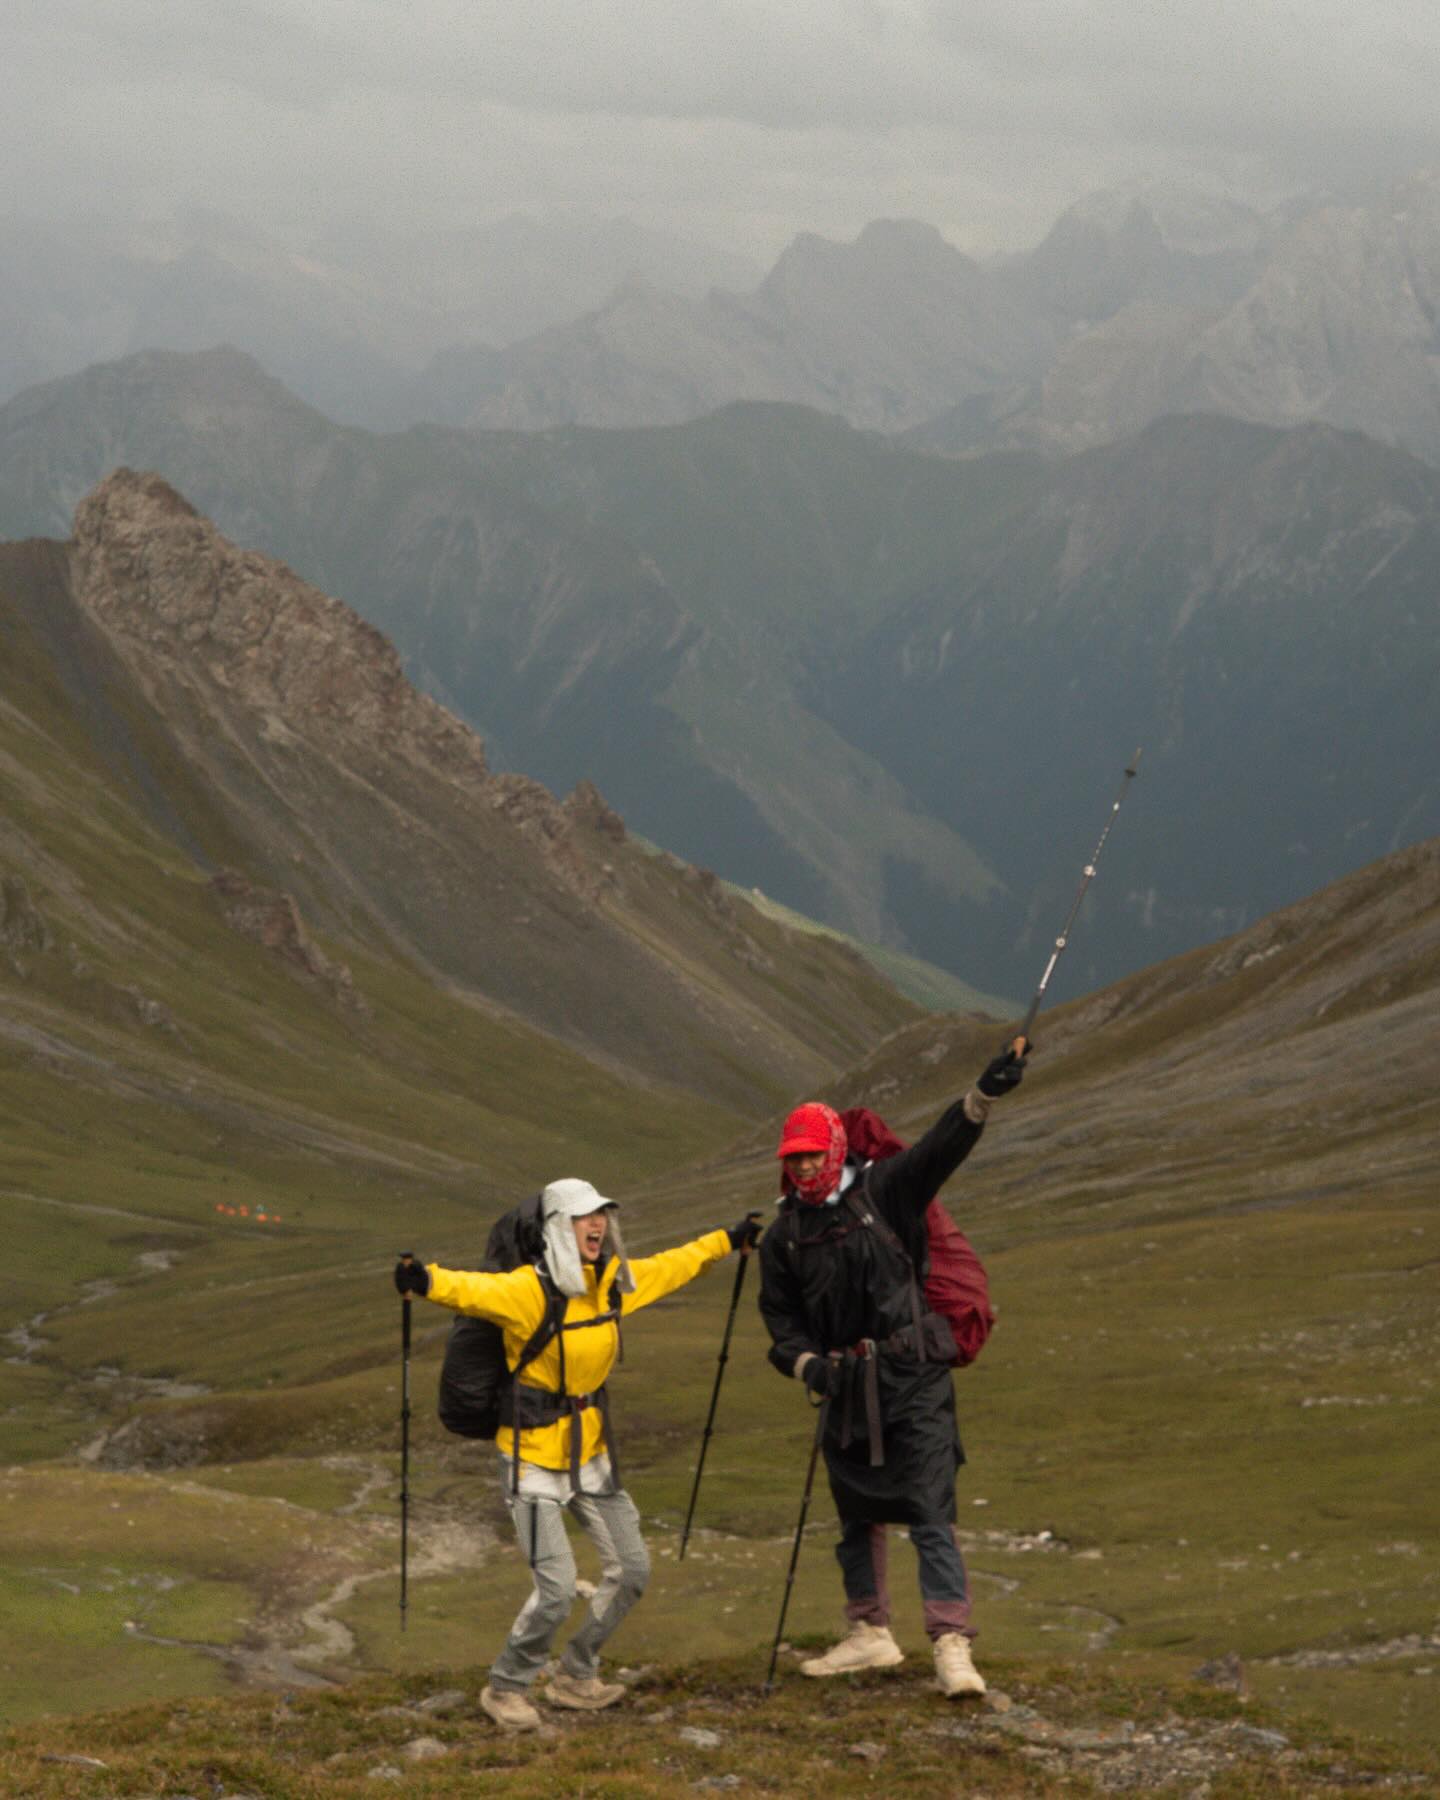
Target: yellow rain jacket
515, 1302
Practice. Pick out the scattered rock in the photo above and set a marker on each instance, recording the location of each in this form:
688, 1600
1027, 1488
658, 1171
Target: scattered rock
1254, 1737
867, 1752
387, 1772
424, 1749
698, 1737
149, 1011
718, 1783
1223, 1672
437, 1705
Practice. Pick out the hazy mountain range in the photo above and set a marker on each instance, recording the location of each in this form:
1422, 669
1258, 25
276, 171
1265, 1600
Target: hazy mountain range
1136, 304
350, 323
892, 689
1133, 307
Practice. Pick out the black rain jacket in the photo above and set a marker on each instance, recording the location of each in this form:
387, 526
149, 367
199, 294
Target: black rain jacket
827, 1282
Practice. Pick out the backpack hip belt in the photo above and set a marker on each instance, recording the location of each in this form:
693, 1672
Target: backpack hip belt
537, 1407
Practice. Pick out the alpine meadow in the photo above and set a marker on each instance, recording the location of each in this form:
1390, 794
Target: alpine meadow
576, 613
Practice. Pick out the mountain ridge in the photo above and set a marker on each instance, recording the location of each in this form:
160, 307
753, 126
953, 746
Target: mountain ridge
306, 757
796, 653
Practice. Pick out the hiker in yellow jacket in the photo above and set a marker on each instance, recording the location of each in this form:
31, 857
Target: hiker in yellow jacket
565, 1455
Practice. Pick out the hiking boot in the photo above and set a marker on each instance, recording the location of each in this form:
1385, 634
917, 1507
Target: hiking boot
509, 1708
954, 1668
587, 1694
863, 1647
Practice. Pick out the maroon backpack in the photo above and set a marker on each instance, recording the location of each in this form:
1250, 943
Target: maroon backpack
955, 1287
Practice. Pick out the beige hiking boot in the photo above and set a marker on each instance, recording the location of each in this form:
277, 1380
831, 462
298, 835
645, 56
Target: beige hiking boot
509, 1709
589, 1695
955, 1668
863, 1647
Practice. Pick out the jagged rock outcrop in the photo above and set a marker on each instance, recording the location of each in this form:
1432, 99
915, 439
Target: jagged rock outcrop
154, 570
23, 931
306, 666
273, 921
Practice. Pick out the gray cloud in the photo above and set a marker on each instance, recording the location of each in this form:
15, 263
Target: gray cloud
735, 117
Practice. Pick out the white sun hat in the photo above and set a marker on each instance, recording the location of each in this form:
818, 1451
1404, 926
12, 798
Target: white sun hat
567, 1199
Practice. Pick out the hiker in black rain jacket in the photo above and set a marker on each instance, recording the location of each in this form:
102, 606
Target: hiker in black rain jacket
842, 1273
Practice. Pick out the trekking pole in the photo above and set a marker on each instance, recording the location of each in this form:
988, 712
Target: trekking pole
745, 1250
407, 1258
823, 1408
1022, 1037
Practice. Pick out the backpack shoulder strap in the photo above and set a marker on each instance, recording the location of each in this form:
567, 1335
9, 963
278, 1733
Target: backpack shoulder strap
552, 1321
857, 1199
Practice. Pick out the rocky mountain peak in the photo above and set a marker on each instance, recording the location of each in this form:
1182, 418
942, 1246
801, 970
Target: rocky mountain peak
158, 575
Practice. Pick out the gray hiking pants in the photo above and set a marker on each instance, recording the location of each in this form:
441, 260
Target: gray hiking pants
612, 1524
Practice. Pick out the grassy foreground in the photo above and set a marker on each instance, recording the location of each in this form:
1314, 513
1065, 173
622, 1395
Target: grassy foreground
708, 1727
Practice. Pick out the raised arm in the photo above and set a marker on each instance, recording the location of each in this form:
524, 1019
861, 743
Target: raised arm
910, 1181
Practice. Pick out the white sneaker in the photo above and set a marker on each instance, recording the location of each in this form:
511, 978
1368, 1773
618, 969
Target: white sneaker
863, 1647
589, 1695
953, 1665
509, 1709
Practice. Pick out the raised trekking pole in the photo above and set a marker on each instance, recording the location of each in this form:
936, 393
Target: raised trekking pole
407, 1258
1022, 1037
821, 1411
745, 1250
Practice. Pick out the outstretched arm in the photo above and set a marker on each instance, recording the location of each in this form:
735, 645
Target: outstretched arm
513, 1300
661, 1274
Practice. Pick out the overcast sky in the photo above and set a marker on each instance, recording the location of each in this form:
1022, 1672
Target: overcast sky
741, 121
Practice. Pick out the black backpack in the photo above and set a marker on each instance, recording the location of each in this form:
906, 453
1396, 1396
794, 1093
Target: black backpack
477, 1390
474, 1381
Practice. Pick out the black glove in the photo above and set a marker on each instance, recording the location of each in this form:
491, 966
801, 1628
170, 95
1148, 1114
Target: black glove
411, 1277
818, 1375
1003, 1073
746, 1232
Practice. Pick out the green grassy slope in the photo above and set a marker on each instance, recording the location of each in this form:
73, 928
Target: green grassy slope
1202, 1427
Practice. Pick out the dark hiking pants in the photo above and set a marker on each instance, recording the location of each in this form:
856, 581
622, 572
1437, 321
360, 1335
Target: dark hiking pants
863, 1554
